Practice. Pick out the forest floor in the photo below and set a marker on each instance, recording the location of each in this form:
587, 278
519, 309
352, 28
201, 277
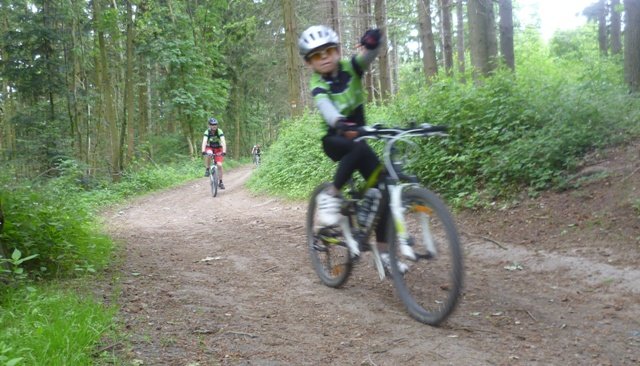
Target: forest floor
550, 280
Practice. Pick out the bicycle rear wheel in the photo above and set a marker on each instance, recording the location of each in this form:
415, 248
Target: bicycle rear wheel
214, 181
431, 288
329, 253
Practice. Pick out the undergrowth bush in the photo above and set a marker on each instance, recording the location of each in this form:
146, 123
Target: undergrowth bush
295, 162
509, 132
51, 326
53, 221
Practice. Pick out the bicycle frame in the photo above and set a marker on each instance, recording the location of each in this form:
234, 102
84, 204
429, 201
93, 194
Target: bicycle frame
419, 222
393, 187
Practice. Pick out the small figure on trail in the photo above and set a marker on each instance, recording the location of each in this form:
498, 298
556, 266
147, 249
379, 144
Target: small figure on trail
214, 146
255, 153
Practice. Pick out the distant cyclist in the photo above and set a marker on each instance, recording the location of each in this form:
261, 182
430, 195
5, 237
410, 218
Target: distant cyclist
255, 152
214, 145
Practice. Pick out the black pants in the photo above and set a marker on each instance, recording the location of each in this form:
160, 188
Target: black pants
352, 156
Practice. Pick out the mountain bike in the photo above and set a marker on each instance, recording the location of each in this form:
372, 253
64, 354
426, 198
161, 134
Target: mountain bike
256, 159
214, 178
419, 226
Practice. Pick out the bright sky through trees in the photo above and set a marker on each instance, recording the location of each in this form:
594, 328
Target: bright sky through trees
552, 15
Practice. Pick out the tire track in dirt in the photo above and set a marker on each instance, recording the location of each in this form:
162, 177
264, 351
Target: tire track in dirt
227, 281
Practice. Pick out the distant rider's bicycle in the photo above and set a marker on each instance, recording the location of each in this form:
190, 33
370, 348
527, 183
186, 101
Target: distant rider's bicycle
419, 223
256, 159
214, 177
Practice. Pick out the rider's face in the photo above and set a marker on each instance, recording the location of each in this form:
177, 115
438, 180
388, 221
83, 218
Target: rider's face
324, 61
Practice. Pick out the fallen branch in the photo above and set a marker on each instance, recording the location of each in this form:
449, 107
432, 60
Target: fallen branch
107, 348
630, 174
242, 334
500, 245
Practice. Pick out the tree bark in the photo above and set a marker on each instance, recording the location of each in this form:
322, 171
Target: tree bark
483, 38
632, 45
107, 94
383, 58
334, 19
460, 36
429, 61
447, 38
4, 249
364, 10
602, 26
506, 33
7, 132
129, 85
616, 43
293, 60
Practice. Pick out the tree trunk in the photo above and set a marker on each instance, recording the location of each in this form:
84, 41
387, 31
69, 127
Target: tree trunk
4, 249
602, 27
447, 38
429, 62
74, 107
460, 37
49, 57
364, 24
383, 58
293, 60
483, 36
395, 61
616, 43
506, 33
334, 18
106, 92
129, 85
632, 45
144, 102
7, 133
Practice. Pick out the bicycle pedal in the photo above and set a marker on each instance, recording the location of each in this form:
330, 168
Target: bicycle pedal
364, 247
424, 256
320, 248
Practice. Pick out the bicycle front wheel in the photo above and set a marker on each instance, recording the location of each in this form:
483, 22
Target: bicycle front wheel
214, 181
432, 286
327, 247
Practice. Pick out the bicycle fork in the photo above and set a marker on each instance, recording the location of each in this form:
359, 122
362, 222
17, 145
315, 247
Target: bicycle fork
404, 239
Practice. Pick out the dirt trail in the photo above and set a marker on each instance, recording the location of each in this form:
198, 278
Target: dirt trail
227, 281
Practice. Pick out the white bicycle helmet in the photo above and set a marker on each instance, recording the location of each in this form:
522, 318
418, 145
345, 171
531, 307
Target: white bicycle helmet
315, 37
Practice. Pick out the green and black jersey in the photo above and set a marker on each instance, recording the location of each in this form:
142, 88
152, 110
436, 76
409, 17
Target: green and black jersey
213, 139
344, 90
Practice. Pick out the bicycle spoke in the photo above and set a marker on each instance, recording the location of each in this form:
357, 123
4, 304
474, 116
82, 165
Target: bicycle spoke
431, 287
329, 254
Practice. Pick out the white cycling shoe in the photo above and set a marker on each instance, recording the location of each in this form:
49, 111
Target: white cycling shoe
386, 263
328, 209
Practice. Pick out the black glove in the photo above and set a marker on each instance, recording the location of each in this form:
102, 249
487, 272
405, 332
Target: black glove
371, 39
343, 125
224, 154
348, 129
204, 153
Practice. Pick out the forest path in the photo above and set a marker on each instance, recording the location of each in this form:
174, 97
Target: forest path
227, 281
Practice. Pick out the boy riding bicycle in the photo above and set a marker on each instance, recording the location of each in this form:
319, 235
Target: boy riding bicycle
336, 87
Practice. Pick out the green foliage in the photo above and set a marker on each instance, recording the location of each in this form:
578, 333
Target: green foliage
507, 133
59, 231
51, 223
51, 326
14, 263
293, 165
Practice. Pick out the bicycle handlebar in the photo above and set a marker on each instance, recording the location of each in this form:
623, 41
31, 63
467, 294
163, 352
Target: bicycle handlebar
379, 131
395, 134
